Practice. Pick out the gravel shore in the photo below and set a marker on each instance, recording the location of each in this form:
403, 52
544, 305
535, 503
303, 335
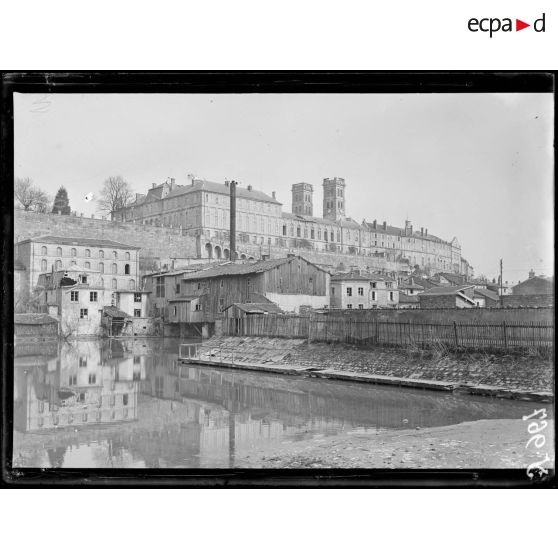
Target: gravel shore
471, 445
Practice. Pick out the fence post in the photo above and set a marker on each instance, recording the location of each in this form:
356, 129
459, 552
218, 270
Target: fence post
455, 332
505, 335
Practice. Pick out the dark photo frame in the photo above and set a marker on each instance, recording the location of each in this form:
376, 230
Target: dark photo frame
255, 82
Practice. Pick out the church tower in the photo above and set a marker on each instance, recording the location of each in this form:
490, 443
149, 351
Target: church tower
334, 198
302, 199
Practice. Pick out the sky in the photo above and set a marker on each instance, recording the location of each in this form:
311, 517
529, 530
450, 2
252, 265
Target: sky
475, 166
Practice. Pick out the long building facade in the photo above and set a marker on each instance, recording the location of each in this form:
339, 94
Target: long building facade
202, 208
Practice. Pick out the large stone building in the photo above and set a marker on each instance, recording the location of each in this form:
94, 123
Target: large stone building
117, 264
202, 209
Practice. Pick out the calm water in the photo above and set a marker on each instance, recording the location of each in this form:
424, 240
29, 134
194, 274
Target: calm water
131, 404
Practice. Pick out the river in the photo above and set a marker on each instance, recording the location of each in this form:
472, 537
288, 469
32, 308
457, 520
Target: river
130, 403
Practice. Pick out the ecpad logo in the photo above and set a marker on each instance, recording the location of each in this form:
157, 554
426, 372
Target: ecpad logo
493, 25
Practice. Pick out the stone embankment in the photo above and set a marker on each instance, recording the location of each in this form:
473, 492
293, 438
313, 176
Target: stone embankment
502, 375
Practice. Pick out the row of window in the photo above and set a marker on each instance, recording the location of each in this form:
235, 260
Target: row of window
87, 253
87, 265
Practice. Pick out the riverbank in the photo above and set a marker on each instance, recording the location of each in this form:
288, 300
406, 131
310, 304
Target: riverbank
483, 444
480, 373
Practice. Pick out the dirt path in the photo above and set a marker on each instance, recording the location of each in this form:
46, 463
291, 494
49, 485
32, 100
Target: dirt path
479, 444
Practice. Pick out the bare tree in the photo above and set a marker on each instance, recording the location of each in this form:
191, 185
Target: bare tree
30, 197
115, 194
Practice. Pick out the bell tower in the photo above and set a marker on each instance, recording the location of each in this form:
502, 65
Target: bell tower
302, 199
334, 198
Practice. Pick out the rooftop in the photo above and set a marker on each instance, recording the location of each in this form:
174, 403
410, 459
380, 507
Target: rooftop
244, 269
446, 290
77, 241
487, 294
113, 312
358, 276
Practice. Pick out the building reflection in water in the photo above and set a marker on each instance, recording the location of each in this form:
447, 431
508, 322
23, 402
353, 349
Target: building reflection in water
131, 404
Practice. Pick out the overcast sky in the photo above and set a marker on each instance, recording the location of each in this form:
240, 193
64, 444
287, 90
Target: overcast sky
475, 166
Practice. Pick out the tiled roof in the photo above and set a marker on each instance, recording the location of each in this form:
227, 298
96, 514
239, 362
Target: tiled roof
113, 312
446, 290
257, 307
72, 240
33, 319
399, 231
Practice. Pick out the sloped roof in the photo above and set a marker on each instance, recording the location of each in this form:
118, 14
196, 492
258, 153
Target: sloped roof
257, 307
204, 186
535, 285
113, 312
34, 319
486, 293
78, 241
446, 290
245, 269
390, 229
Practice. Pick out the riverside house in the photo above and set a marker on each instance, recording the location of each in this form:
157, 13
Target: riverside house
359, 290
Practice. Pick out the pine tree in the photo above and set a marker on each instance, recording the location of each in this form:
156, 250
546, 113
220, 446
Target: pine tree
61, 202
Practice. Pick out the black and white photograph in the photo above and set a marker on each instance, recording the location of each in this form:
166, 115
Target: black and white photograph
275, 281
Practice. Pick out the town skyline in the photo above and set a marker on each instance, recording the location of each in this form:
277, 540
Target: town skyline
232, 130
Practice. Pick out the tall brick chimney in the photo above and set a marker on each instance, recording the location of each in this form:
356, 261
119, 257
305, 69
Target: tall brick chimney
232, 231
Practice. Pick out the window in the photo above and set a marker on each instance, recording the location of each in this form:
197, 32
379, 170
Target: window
128, 256
87, 253
373, 295
102, 267
115, 255
373, 285
93, 296
349, 306
87, 265
298, 231
332, 290
84, 279
114, 283
160, 287
311, 233
199, 286
125, 399
137, 313
74, 262
284, 230
73, 252
349, 291
131, 284
389, 285
83, 313
43, 265
221, 304
198, 308
361, 291
101, 254
391, 295
92, 379
137, 297
114, 269
74, 296
43, 250
361, 306
174, 310
58, 264
127, 269
58, 251
72, 380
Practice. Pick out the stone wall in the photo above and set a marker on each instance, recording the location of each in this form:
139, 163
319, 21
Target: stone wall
154, 242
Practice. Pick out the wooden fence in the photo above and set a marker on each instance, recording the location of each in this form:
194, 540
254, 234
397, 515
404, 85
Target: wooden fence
505, 336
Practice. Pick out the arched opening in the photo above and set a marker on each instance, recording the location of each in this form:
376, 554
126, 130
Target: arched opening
218, 252
226, 254
127, 269
236, 255
208, 251
243, 257
251, 259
